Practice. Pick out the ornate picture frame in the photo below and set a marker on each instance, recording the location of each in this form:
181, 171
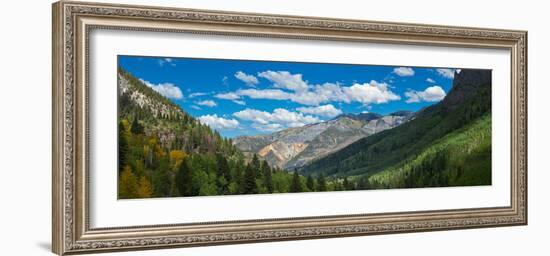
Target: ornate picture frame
72, 24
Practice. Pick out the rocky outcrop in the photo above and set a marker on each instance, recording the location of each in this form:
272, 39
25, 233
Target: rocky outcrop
466, 83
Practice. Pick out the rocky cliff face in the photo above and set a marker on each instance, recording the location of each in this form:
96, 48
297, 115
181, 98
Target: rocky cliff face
295, 147
465, 84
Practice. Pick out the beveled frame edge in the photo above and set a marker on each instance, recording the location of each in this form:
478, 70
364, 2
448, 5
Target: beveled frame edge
71, 23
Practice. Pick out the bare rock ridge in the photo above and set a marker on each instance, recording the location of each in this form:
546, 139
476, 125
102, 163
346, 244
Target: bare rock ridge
465, 84
296, 147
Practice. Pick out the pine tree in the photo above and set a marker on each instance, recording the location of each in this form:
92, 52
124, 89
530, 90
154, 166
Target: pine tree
267, 177
348, 185
238, 177
123, 146
256, 165
161, 178
310, 183
136, 128
250, 186
145, 190
184, 179
128, 185
296, 185
321, 183
222, 168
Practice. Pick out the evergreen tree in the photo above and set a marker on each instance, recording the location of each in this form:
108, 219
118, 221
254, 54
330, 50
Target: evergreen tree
123, 147
250, 186
161, 178
267, 177
256, 165
128, 185
363, 183
296, 185
238, 177
310, 183
348, 185
321, 183
223, 175
137, 128
184, 179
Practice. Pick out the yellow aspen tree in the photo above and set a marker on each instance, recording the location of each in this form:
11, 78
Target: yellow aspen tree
145, 189
128, 185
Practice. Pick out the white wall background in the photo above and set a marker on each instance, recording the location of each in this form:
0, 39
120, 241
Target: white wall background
25, 114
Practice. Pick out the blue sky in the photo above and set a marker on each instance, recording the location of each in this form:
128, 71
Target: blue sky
242, 97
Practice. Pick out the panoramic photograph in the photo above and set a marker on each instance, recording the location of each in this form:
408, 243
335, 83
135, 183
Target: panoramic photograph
204, 127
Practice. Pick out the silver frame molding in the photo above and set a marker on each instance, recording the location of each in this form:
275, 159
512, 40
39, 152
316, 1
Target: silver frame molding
72, 23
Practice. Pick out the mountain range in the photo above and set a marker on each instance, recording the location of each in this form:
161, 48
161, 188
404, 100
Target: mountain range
295, 147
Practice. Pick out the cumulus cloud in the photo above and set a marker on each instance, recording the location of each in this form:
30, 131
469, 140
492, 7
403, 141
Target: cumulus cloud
324, 110
254, 115
219, 123
367, 93
285, 80
431, 94
373, 92
429, 80
249, 80
208, 103
280, 118
167, 90
403, 71
446, 72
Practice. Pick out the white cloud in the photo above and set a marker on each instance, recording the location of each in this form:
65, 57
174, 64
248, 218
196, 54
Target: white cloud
267, 127
280, 118
208, 103
239, 102
431, 94
169, 61
292, 119
196, 107
403, 71
253, 115
273, 94
325, 110
167, 90
285, 80
429, 80
219, 123
249, 80
368, 93
446, 72
227, 96
197, 94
